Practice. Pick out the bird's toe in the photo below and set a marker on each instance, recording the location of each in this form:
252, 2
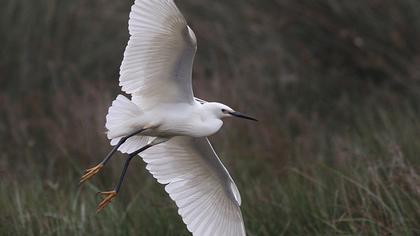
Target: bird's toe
108, 197
89, 173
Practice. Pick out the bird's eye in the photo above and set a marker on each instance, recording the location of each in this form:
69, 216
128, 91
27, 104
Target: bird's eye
223, 110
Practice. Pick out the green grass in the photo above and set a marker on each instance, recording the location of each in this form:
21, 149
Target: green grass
334, 85
363, 180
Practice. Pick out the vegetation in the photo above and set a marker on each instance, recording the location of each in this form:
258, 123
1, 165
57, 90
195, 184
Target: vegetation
335, 85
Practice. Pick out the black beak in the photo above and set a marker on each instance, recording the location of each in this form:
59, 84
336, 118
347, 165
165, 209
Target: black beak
240, 115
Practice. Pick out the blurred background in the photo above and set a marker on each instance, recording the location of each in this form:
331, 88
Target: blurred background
335, 85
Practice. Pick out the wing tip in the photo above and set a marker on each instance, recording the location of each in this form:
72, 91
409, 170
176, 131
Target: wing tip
235, 193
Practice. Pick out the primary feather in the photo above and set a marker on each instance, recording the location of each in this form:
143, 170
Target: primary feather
158, 60
195, 178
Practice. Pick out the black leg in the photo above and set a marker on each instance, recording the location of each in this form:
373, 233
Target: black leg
127, 163
89, 173
110, 195
122, 140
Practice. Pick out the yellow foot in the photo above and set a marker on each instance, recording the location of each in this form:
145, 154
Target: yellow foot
89, 173
108, 197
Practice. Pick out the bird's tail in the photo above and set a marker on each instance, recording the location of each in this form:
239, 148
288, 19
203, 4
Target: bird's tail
121, 120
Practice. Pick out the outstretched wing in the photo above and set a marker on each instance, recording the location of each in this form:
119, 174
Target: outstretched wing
158, 59
207, 198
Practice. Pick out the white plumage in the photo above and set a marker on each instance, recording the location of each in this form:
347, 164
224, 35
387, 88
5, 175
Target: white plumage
158, 59
172, 125
207, 198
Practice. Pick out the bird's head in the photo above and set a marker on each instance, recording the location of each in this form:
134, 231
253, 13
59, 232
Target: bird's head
222, 111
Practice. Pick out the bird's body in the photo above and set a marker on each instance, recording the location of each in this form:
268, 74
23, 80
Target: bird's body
169, 120
167, 126
195, 121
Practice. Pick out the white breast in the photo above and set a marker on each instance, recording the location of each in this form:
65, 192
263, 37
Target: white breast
183, 120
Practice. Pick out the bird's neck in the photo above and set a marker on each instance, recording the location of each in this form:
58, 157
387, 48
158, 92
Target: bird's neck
207, 112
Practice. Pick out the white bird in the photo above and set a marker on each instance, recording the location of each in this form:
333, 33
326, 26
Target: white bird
169, 126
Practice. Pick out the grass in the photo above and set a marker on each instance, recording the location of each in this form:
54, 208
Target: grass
334, 85
360, 180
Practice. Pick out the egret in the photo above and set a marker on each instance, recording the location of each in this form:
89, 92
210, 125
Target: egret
167, 126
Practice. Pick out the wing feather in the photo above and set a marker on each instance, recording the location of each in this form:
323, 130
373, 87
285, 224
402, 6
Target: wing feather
205, 194
158, 59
